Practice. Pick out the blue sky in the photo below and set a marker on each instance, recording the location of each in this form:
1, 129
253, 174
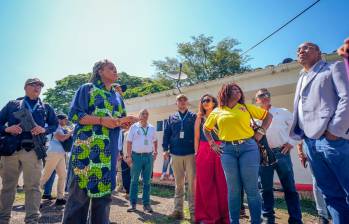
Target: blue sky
52, 39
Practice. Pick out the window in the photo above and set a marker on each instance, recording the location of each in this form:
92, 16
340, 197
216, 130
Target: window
159, 126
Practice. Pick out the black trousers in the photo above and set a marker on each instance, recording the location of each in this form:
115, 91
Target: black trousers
126, 176
77, 207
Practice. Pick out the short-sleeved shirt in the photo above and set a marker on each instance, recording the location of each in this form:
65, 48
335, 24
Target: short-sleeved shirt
95, 147
55, 145
142, 138
234, 123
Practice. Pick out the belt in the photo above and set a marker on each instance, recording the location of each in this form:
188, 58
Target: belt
236, 142
142, 153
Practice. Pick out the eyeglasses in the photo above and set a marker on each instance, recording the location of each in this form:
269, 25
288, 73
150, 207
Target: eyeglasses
263, 95
35, 85
305, 48
207, 100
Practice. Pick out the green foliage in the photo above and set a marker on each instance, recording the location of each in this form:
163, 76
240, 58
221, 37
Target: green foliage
62, 94
203, 61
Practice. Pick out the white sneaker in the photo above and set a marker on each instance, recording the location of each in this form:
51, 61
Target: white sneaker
163, 176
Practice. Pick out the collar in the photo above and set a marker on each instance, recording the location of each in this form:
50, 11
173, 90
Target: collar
99, 84
184, 112
314, 67
140, 126
26, 98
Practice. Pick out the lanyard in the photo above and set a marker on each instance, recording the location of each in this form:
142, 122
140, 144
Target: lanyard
182, 119
145, 132
32, 109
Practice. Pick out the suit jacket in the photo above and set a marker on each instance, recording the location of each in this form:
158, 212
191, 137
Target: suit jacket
325, 102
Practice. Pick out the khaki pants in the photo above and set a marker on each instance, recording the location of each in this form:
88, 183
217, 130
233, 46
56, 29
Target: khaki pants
184, 166
11, 167
55, 161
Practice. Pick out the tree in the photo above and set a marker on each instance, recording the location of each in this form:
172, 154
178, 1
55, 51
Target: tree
203, 61
61, 95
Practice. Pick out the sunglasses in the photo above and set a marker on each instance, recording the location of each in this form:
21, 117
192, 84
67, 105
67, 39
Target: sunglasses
206, 100
263, 95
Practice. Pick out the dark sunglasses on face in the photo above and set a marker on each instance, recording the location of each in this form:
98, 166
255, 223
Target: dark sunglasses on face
206, 100
263, 95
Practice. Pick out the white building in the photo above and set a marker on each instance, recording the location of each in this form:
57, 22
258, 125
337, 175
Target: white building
279, 80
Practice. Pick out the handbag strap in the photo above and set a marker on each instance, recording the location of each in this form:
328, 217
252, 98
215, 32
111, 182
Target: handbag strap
253, 121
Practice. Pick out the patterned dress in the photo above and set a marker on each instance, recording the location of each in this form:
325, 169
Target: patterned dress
95, 147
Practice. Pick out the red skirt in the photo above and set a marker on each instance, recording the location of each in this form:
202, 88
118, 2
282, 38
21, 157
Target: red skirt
211, 196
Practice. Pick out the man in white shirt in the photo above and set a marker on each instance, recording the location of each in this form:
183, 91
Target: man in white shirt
142, 148
281, 144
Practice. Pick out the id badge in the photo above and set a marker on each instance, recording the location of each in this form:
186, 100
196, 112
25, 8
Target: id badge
146, 142
181, 134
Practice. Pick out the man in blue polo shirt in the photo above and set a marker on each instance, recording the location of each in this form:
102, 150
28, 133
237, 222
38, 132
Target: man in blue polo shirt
179, 141
24, 158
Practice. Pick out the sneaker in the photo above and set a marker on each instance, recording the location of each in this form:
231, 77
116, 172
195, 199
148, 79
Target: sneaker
171, 178
163, 176
147, 208
60, 202
176, 215
132, 208
323, 220
47, 197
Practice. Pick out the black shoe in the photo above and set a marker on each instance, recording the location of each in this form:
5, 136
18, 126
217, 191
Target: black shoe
132, 208
323, 220
147, 208
47, 197
60, 202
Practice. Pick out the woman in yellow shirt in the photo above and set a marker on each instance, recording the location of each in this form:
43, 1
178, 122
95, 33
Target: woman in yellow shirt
239, 151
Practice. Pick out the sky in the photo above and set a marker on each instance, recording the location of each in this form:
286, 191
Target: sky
56, 38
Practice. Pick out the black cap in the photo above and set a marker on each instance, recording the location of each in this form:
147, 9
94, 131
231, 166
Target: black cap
62, 116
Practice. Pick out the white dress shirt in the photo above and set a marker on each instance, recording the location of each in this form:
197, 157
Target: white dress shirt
304, 81
278, 132
142, 138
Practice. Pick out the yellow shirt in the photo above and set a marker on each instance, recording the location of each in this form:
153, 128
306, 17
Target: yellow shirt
234, 124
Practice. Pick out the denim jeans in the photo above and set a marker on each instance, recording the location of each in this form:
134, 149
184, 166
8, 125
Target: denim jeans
284, 169
321, 206
141, 163
329, 161
77, 207
241, 166
165, 166
49, 184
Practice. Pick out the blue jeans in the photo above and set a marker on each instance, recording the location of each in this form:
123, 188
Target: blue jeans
321, 206
49, 184
241, 166
329, 161
141, 163
284, 169
165, 166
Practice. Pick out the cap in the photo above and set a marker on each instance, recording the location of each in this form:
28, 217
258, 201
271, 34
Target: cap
263, 93
62, 116
122, 87
180, 96
33, 80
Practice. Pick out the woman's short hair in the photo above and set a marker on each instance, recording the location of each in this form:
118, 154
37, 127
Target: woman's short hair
225, 94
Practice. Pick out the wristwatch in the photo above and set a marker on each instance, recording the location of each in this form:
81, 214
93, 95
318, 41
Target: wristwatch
261, 131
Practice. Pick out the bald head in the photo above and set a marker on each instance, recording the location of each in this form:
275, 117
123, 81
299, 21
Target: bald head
308, 54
